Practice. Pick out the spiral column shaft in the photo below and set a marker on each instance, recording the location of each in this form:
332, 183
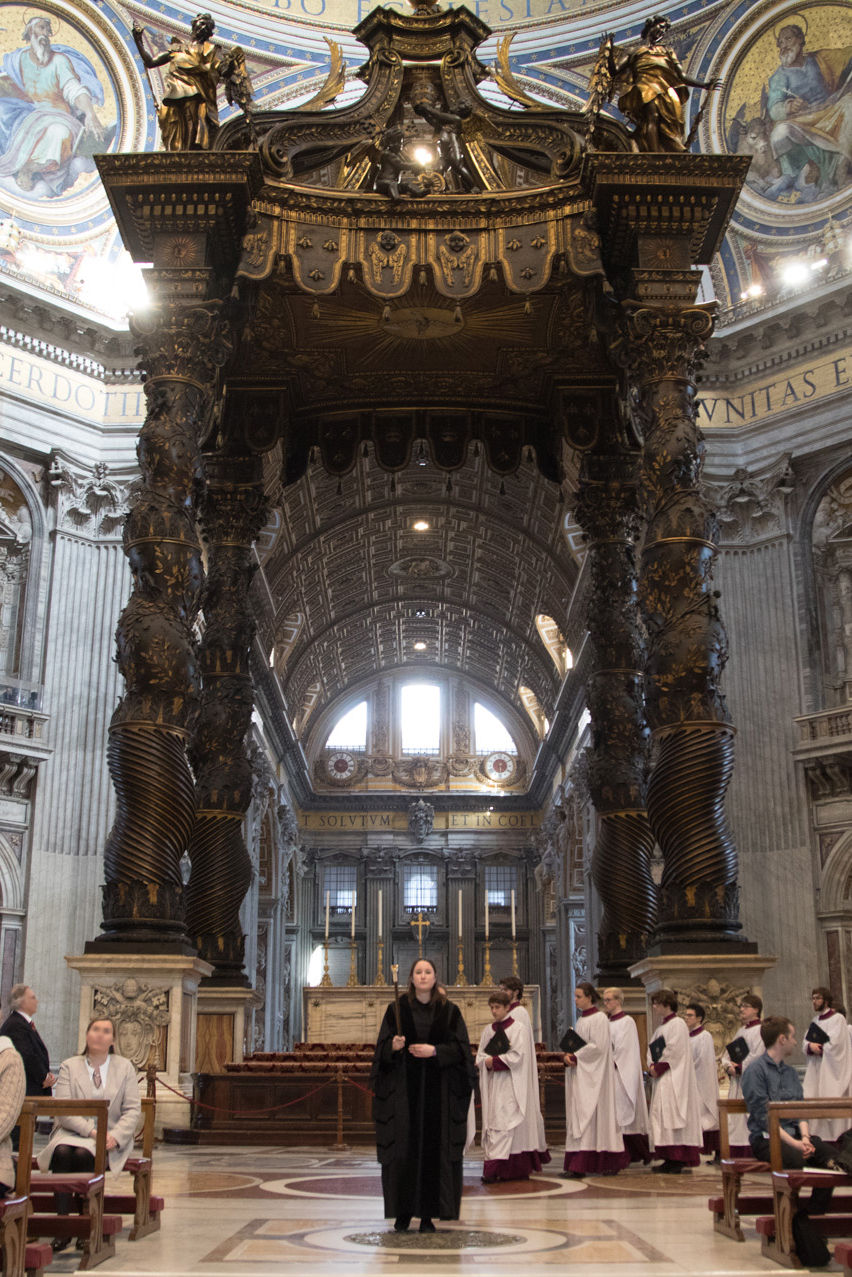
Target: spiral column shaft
687, 644
608, 512
180, 348
232, 514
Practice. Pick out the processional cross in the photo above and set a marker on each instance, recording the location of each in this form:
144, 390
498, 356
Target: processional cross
420, 922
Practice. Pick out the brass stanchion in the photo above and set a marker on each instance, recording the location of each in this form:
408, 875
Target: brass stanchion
339, 1147
514, 958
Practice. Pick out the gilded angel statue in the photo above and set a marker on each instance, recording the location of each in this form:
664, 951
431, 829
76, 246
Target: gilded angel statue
189, 114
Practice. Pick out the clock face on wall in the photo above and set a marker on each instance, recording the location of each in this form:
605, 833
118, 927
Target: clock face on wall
341, 765
499, 767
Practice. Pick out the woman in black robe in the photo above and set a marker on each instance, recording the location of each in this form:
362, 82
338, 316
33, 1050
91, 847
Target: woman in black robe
422, 1080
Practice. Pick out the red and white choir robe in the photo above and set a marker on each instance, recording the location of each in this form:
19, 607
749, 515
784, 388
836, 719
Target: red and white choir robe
594, 1144
675, 1113
738, 1124
630, 1105
829, 1076
707, 1081
512, 1128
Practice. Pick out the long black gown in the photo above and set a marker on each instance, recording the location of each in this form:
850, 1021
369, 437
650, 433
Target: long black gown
420, 1110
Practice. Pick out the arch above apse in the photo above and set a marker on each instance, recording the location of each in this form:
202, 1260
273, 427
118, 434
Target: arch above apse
835, 891
31, 628
11, 880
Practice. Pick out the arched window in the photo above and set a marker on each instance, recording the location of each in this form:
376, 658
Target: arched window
554, 640
489, 733
420, 718
350, 731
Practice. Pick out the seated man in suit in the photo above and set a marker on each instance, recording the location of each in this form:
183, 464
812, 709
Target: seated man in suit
24, 1036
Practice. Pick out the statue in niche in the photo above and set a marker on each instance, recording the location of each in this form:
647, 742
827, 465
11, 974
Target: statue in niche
189, 113
421, 818
653, 87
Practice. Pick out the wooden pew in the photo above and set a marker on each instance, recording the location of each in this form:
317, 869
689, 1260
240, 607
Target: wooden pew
18, 1256
732, 1203
144, 1207
96, 1229
776, 1230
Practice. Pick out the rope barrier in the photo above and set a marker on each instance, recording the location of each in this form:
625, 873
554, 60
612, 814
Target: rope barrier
212, 1108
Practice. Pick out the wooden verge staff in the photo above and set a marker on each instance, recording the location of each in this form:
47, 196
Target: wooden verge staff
395, 977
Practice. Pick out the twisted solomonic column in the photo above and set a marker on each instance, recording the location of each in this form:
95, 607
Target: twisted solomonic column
608, 512
180, 348
687, 644
232, 514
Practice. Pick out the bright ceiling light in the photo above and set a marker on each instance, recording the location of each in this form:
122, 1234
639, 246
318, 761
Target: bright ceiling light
794, 274
423, 155
420, 647
819, 264
421, 525
753, 290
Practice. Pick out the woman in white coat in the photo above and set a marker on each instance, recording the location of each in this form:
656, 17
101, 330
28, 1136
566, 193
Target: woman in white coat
96, 1074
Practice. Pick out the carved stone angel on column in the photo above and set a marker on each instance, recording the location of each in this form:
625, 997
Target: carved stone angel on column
189, 113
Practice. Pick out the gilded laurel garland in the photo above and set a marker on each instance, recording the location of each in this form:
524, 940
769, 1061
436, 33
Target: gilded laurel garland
687, 644
607, 509
179, 349
232, 513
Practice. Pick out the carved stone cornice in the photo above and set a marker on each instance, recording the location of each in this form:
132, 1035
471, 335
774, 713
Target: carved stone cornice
753, 508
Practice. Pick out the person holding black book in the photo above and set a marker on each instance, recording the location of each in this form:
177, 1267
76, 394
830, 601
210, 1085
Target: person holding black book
594, 1144
828, 1075
675, 1114
512, 1130
512, 985
739, 1055
422, 1079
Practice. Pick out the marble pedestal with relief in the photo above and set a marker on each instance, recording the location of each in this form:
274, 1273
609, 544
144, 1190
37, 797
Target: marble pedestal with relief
153, 1000
221, 1026
718, 981
343, 1014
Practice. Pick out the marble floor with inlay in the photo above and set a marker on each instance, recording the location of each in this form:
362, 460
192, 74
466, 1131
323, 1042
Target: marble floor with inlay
264, 1211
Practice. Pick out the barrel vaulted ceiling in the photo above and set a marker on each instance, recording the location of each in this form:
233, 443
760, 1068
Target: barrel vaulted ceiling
347, 572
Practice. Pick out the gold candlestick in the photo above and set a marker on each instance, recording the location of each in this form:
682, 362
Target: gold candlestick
380, 974
352, 982
487, 978
461, 978
514, 958
325, 982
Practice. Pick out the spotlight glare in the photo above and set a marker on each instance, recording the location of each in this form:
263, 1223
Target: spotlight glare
420, 647
421, 525
794, 274
819, 264
423, 155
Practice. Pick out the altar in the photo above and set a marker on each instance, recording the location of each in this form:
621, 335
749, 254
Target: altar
354, 1013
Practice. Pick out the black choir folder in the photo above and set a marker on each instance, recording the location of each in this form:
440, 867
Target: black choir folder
817, 1035
499, 1044
572, 1043
657, 1048
738, 1050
